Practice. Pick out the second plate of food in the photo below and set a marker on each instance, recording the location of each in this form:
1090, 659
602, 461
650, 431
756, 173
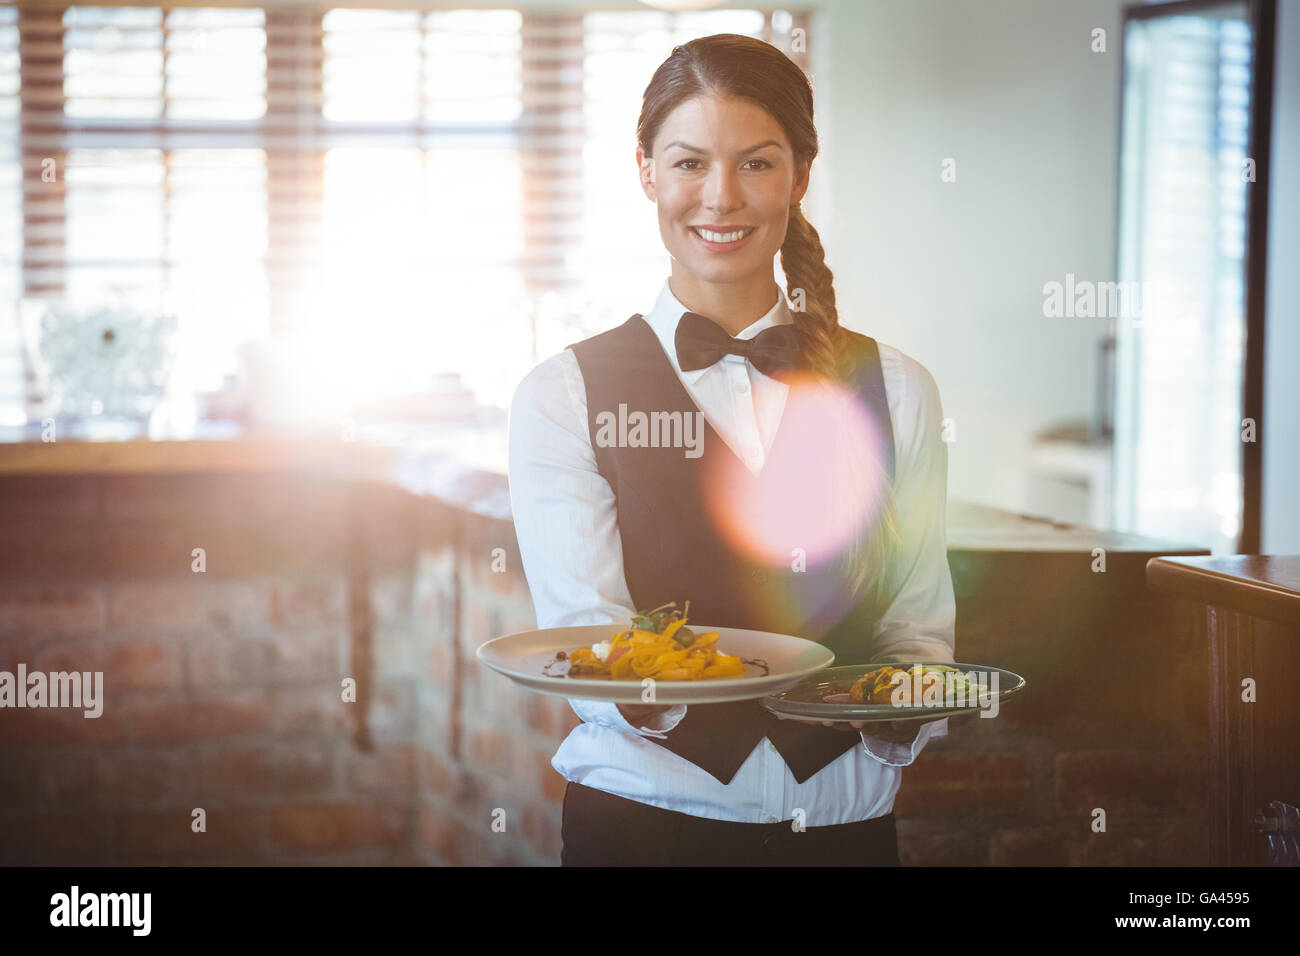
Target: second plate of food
900, 690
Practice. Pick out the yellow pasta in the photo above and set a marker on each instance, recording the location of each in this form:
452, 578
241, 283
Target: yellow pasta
637, 653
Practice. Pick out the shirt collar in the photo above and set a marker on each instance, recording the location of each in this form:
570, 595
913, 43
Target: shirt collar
667, 312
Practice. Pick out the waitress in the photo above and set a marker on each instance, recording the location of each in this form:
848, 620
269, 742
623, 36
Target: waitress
725, 142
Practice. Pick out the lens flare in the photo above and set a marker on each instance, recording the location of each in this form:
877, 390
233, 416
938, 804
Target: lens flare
822, 483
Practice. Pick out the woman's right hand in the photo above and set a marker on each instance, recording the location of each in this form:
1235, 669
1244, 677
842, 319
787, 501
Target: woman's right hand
634, 713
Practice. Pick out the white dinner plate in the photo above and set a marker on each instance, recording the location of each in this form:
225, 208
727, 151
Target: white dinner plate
523, 658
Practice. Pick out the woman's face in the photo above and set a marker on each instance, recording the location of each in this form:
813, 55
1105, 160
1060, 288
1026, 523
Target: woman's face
724, 165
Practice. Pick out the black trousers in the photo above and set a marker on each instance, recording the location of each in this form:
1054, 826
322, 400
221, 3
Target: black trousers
601, 829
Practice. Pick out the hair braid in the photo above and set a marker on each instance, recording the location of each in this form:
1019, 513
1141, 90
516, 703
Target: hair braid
803, 260
804, 263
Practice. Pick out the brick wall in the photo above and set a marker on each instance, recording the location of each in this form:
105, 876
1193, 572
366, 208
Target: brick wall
222, 690
1114, 717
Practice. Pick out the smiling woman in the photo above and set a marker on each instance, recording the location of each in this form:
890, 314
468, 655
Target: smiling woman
718, 251
786, 523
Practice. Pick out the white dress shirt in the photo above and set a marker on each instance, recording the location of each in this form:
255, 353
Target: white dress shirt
567, 526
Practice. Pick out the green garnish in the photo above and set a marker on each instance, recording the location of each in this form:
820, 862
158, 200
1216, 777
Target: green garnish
659, 619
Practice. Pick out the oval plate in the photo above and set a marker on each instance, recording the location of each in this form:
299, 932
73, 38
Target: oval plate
824, 695
522, 657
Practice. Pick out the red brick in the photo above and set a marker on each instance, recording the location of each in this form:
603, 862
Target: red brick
430, 599
441, 661
542, 830
42, 726
395, 652
964, 848
147, 835
124, 665
393, 706
438, 775
1143, 839
1038, 707
504, 582
51, 551
479, 619
947, 782
52, 609
319, 708
266, 769
313, 603
295, 495
390, 599
550, 784
390, 766
221, 659
434, 718
563, 719
308, 655
161, 775
131, 550
438, 833
171, 717
145, 664
18, 783
339, 826
64, 839
1124, 778
1029, 847
176, 498
488, 748
16, 648
204, 604
519, 614
52, 500
140, 549
472, 790
534, 712
69, 780
485, 847
459, 845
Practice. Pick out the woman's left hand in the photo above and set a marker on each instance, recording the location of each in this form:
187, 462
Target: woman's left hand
895, 731
837, 724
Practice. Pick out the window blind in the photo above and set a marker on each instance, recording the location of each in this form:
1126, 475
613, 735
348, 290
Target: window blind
399, 194
1182, 235
13, 385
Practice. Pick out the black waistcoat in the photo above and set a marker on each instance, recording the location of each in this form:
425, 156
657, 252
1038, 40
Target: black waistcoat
673, 550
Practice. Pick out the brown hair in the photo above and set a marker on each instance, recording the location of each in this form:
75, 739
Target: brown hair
741, 67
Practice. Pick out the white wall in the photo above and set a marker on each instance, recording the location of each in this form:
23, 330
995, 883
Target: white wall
952, 273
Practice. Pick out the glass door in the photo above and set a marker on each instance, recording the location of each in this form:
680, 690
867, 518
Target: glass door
1189, 184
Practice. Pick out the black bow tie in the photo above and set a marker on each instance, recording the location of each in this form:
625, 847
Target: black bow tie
701, 343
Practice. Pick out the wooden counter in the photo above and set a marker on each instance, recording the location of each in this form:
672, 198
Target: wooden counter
141, 456
1250, 630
